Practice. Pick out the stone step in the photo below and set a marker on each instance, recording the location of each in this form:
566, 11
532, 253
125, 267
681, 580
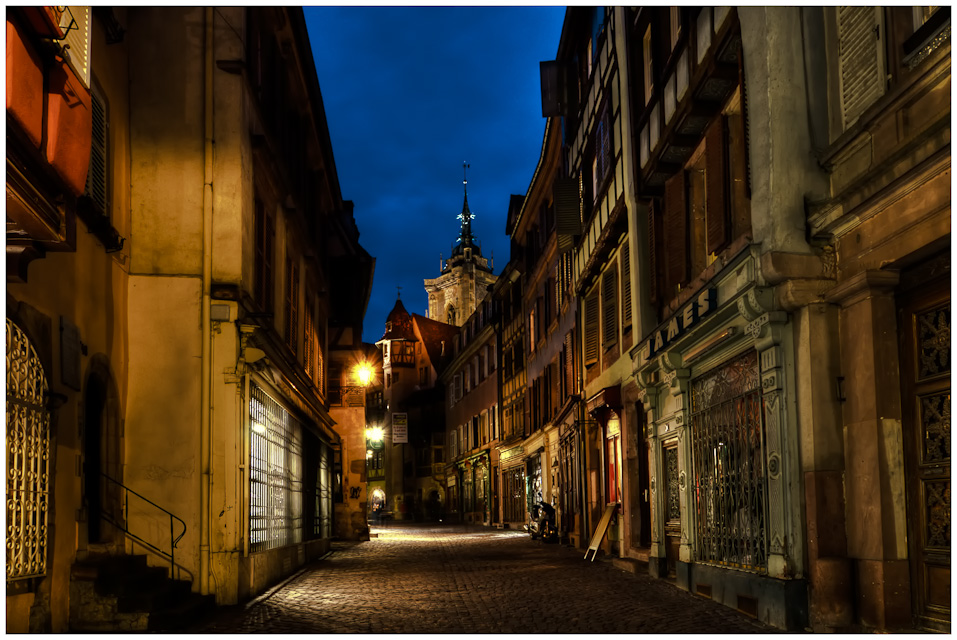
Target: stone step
124, 593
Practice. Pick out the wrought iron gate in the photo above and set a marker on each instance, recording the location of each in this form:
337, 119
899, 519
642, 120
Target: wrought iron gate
28, 458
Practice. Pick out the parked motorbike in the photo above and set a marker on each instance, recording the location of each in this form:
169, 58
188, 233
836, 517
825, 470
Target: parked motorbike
541, 522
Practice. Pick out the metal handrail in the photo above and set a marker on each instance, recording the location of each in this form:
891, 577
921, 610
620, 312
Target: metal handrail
124, 526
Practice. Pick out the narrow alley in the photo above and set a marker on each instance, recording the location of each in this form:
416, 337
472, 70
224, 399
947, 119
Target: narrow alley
461, 579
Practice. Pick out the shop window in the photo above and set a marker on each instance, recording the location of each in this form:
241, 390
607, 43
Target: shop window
275, 474
730, 483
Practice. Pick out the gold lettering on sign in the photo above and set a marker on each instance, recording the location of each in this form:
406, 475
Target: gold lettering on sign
672, 329
688, 316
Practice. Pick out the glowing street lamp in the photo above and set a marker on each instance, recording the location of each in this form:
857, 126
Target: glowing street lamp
364, 373
375, 435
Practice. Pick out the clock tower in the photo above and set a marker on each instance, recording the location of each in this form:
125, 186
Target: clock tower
466, 276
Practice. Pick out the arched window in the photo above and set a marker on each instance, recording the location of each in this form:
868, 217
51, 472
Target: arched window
28, 458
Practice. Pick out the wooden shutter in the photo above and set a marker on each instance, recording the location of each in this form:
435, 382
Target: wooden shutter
860, 41
569, 364
97, 177
716, 181
591, 328
76, 24
609, 299
568, 217
626, 284
675, 233
652, 254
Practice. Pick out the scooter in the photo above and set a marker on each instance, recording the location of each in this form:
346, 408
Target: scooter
541, 522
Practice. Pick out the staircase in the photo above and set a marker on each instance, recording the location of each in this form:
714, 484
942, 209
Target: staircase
121, 593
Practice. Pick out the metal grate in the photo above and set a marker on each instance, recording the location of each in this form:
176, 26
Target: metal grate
730, 491
275, 504
28, 458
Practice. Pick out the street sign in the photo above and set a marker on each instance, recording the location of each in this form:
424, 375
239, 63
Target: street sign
400, 428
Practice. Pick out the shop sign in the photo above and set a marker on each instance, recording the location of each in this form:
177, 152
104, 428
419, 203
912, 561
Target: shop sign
690, 315
400, 428
451, 480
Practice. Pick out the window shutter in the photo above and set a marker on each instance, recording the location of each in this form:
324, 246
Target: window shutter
652, 254
626, 284
96, 177
569, 363
609, 296
568, 218
591, 328
716, 180
675, 233
76, 23
861, 59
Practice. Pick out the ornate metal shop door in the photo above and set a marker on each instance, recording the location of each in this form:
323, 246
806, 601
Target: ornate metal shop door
28, 458
925, 382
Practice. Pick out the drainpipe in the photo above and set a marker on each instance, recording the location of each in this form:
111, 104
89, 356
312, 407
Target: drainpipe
206, 398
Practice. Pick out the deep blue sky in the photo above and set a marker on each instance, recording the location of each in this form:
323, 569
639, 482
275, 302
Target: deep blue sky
410, 94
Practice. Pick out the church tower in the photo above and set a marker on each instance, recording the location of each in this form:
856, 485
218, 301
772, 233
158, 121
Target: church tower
466, 275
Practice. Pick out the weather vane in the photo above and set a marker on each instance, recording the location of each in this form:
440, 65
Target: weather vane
398, 291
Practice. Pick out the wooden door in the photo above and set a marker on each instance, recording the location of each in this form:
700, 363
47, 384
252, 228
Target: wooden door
925, 386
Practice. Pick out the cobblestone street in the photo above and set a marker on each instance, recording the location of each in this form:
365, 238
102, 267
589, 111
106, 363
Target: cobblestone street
457, 579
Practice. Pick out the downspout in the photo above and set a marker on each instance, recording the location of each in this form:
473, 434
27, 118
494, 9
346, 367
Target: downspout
206, 398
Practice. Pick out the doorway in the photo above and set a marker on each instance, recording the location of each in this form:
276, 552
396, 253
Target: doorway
924, 329
672, 507
94, 404
101, 454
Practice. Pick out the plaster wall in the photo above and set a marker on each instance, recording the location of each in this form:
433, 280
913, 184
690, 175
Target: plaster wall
167, 169
232, 187
162, 433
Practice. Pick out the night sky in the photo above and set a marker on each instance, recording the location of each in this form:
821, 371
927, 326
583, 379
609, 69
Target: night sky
410, 94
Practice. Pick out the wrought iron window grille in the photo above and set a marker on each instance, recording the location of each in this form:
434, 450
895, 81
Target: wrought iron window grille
730, 482
275, 502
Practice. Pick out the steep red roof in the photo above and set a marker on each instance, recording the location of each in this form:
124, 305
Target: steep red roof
398, 326
434, 334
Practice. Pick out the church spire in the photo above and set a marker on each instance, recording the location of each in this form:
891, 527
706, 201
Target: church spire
466, 216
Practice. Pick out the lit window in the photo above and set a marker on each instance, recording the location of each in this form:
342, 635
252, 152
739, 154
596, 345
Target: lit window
275, 474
